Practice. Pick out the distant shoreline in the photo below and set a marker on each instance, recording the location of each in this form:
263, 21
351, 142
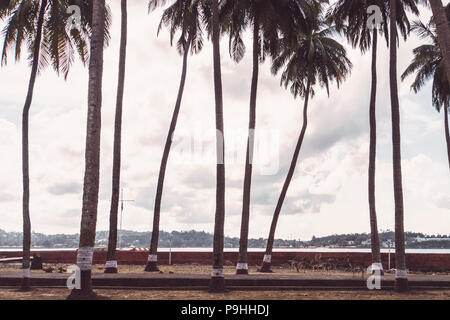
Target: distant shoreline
343, 249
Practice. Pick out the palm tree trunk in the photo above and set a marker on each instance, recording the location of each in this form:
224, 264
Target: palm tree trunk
111, 258
26, 282
375, 240
92, 155
447, 131
401, 280
443, 32
268, 255
242, 266
217, 283
152, 263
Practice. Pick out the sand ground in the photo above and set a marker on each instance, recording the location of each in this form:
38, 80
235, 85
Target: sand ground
138, 294
206, 269
58, 294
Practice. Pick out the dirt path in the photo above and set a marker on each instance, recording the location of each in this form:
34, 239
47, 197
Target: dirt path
205, 269
58, 294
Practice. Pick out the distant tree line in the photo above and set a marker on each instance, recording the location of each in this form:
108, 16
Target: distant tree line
201, 239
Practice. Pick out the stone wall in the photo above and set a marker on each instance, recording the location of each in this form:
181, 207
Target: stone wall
414, 261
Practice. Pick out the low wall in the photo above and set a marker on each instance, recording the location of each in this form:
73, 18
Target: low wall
414, 261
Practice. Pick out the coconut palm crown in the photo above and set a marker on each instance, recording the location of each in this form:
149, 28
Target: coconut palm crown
316, 58
429, 64
186, 17
59, 43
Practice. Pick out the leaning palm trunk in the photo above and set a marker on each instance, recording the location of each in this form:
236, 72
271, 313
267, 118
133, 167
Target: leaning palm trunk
375, 240
217, 283
92, 155
268, 255
111, 257
25, 154
242, 266
152, 263
447, 131
443, 32
401, 280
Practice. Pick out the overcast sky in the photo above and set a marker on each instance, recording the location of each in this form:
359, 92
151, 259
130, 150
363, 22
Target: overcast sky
328, 193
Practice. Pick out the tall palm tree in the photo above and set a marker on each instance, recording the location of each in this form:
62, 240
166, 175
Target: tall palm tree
266, 17
242, 14
42, 24
401, 281
397, 11
185, 16
111, 257
92, 155
428, 63
256, 12
314, 58
351, 17
217, 282
442, 31
355, 15
25, 151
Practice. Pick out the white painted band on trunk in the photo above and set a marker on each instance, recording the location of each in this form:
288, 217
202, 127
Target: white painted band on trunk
242, 266
152, 258
377, 266
217, 273
111, 264
401, 274
26, 273
84, 258
267, 258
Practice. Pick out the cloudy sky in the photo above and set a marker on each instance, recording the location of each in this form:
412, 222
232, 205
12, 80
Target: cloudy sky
328, 193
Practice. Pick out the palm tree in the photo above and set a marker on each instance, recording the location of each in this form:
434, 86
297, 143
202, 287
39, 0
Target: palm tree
359, 35
351, 17
428, 63
243, 13
443, 32
186, 16
314, 58
111, 258
257, 12
239, 16
42, 24
267, 18
217, 282
401, 281
92, 155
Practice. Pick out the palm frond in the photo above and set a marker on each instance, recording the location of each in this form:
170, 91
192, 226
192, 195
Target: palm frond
428, 64
314, 57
